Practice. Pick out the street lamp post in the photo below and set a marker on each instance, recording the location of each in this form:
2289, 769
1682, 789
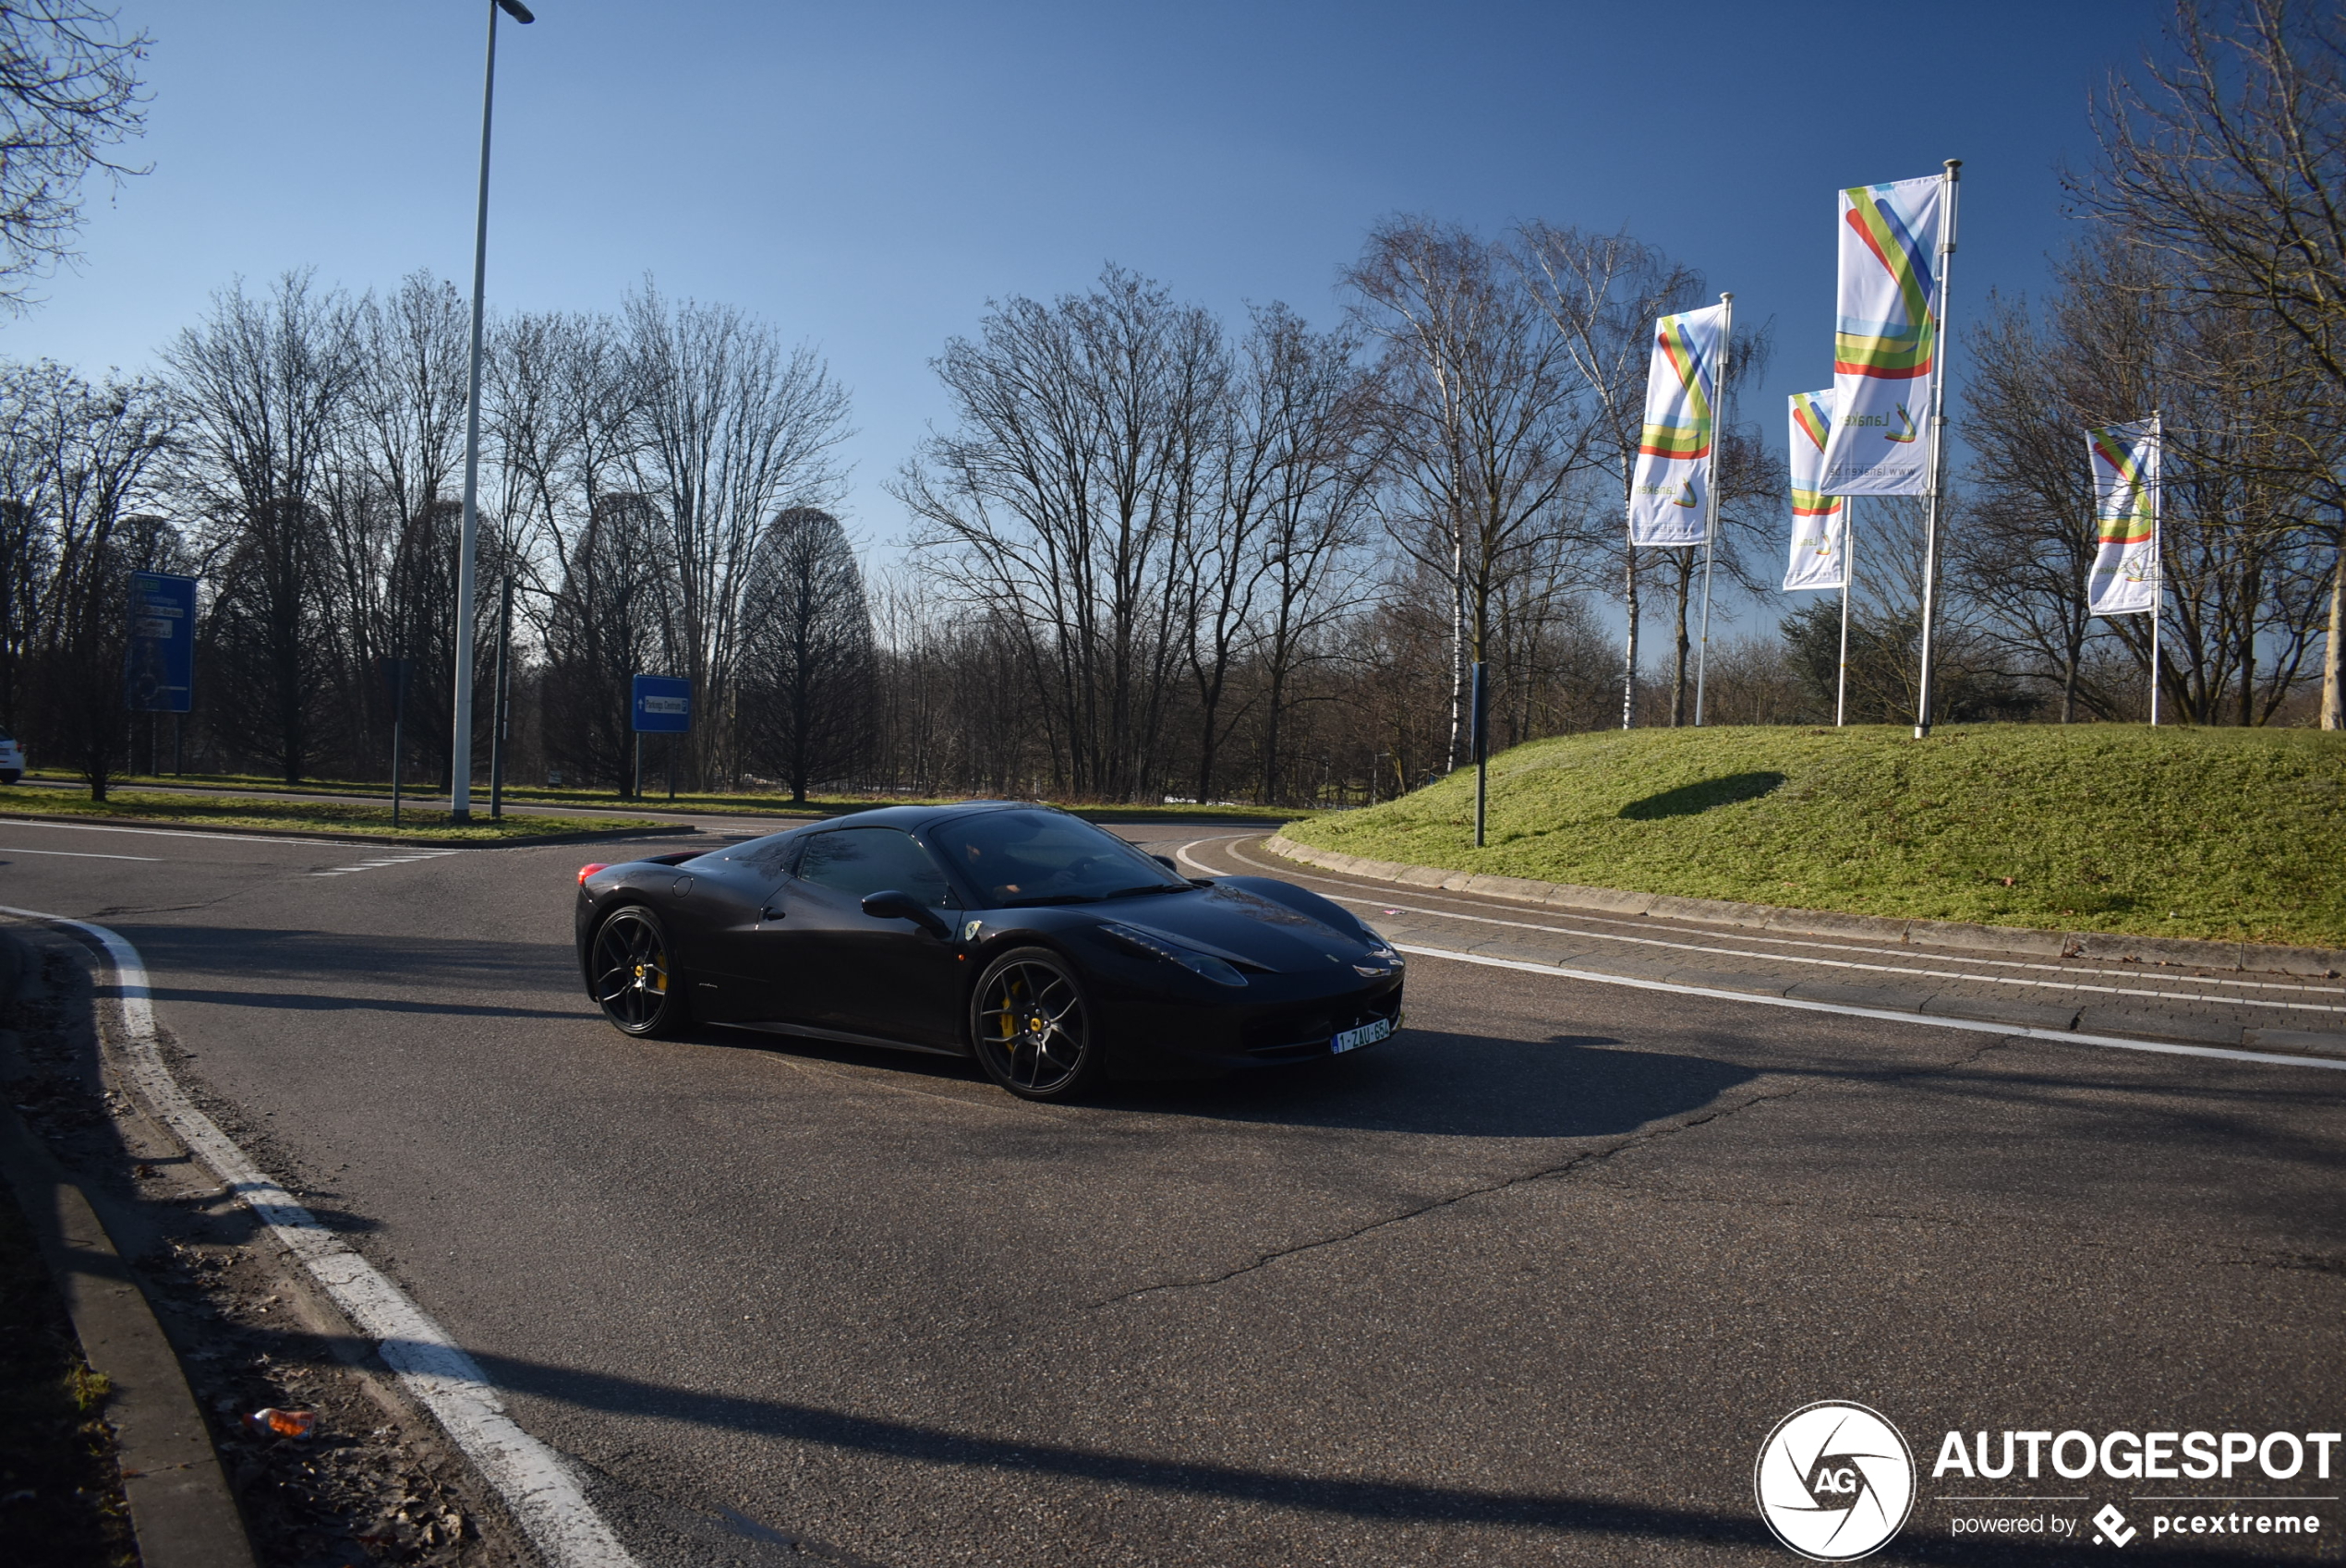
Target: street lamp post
460, 773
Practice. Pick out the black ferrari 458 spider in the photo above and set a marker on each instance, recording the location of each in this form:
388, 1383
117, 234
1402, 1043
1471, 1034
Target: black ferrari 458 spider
1050, 949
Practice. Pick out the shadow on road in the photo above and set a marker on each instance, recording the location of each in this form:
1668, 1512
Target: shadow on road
1392, 1500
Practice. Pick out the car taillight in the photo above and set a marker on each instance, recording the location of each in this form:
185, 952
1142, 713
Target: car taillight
587, 871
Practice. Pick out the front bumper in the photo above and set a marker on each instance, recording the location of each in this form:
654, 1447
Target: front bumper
1287, 1018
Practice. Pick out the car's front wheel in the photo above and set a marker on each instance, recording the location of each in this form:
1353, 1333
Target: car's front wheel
636, 978
1033, 1027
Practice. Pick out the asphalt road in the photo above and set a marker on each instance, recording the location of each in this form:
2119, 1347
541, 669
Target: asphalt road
1529, 1283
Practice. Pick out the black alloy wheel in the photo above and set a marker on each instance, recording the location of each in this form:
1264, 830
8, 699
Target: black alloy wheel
636, 979
1032, 1025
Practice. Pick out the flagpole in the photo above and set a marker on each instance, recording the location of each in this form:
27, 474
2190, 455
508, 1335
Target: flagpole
1937, 419
1848, 573
1710, 488
2157, 561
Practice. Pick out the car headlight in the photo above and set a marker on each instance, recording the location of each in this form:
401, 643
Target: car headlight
1155, 947
1378, 947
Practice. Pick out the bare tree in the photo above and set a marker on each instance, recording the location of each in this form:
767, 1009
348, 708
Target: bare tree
2230, 154
1604, 293
1479, 413
266, 385
732, 429
1061, 508
93, 456
70, 90
806, 667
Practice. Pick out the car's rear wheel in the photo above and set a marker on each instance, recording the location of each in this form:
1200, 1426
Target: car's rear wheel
636, 978
1033, 1027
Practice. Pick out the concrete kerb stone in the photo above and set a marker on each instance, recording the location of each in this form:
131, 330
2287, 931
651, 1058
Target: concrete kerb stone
1996, 938
1963, 935
182, 1512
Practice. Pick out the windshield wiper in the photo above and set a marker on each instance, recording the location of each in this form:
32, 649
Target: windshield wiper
1050, 898
1152, 887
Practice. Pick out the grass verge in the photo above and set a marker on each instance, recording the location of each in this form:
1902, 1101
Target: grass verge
2219, 834
293, 817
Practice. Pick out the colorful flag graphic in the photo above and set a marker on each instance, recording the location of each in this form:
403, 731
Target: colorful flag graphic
1885, 353
1670, 486
2124, 458
1820, 523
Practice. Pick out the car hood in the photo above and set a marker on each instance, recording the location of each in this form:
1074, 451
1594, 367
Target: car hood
1239, 925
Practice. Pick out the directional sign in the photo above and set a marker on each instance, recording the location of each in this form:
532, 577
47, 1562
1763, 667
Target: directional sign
663, 704
159, 668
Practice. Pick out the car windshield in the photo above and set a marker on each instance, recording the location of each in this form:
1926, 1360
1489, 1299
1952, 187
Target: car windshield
1047, 857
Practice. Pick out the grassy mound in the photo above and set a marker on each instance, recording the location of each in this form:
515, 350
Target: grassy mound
314, 816
2223, 834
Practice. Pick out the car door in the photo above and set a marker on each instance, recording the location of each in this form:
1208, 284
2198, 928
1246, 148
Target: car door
722, 911
835, 968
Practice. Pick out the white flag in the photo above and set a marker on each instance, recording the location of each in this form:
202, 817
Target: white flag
2124, 458
1885, 355
1820, 523
1670, 486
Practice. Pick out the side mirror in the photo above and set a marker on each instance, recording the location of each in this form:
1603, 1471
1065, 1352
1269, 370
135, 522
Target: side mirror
1167, 862
889, 904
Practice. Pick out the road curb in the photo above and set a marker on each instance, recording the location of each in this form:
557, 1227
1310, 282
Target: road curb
181, 1509
2259, 957
332, 835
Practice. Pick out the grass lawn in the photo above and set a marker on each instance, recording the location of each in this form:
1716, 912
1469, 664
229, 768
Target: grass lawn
748, 803
294, 816
2222, 834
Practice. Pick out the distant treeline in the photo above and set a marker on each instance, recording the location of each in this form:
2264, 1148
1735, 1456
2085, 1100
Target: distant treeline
1153, 552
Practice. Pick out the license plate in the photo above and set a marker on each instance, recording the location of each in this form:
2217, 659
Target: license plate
1367, 1035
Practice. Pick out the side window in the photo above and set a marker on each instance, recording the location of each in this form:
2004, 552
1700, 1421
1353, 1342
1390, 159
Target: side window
770, 856
858, 861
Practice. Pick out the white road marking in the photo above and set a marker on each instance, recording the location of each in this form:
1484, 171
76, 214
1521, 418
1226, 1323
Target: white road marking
77, 854
1978, 1026
1392, 903
544, 1497
187, 833
1929, 1020
398, 860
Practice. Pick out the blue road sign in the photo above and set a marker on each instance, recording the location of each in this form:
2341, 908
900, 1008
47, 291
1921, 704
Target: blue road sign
159, 670
663, 704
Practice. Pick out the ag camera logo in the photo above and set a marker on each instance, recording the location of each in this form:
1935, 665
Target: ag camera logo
1834, 1481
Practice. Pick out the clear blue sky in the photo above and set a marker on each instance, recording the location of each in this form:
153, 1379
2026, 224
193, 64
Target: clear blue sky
868, 175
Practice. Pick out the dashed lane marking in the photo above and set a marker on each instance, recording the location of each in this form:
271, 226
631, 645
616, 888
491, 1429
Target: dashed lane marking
536, 1485
397, 860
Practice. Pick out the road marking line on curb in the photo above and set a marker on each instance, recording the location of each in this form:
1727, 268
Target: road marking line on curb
1845, 1009
1394, 903
1979, 1026
1355, 880
544, 1499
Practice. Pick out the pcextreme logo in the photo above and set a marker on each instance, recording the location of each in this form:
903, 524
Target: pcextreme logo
1834, 1481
